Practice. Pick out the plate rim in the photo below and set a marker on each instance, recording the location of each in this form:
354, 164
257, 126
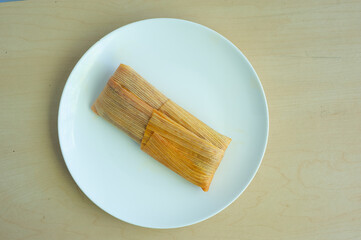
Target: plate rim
66, 86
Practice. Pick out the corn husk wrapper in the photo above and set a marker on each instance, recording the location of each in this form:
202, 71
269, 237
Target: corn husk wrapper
123, 109
165, 131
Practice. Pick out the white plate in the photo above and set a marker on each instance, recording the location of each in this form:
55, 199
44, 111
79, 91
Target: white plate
198, 69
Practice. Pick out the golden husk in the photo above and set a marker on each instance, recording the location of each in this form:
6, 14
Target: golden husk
165, 130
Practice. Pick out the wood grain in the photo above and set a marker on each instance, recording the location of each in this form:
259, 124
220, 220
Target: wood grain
308, 56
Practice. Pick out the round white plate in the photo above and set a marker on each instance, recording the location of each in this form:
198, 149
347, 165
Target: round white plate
198, 69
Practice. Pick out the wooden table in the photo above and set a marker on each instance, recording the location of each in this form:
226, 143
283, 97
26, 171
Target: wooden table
308, 57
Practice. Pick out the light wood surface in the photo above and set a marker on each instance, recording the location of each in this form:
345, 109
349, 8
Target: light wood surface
308, 56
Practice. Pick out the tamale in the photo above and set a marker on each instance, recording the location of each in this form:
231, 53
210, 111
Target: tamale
165, 131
